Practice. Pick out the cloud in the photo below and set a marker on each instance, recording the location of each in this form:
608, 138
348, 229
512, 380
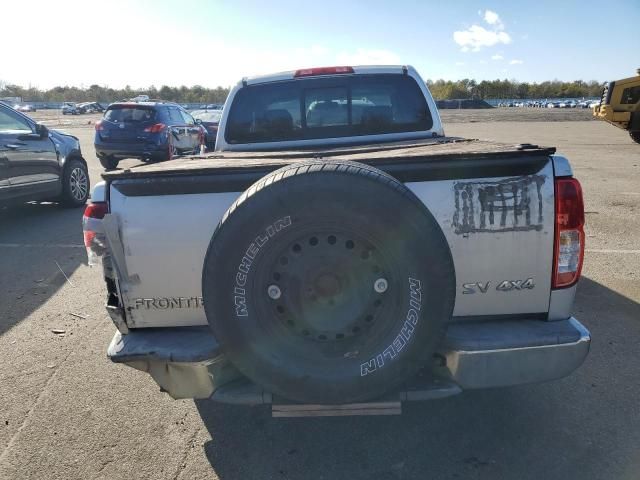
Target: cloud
497, 57
363, 56
492, 18
516, 62
477, 37
459, 64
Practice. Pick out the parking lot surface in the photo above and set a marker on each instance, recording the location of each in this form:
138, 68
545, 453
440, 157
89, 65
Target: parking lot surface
68, 413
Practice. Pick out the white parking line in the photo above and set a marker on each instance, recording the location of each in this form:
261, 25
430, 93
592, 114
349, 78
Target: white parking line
40, 245
609, 250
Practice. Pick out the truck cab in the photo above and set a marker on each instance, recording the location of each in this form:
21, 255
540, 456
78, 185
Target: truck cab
316, 108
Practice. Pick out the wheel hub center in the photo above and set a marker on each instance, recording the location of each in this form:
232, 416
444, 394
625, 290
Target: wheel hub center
327, 285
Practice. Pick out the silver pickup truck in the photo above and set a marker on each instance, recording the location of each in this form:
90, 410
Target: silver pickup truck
338, 254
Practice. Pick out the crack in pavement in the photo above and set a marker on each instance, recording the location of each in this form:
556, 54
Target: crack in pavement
181, 463
29, 413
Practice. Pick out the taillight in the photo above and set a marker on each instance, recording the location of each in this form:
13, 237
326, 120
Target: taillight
99, 126
93, 231
569, 234
158, 127
96, 210
309, 72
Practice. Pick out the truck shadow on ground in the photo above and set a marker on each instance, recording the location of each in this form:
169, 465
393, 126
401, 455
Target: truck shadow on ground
569, 428
33, 237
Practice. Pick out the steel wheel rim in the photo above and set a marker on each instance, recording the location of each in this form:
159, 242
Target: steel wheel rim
78, 184
363, 252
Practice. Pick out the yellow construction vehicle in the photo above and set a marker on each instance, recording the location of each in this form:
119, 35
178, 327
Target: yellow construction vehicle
620, 105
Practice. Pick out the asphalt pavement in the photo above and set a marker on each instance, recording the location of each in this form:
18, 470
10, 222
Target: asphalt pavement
67, 413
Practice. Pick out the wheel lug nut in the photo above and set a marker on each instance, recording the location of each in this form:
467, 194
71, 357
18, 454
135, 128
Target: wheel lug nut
274, 292
381, 285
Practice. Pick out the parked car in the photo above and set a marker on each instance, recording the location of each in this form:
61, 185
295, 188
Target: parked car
39, 164
69, 108
149, 131
90, 107
315, 258
25, 108
209, 119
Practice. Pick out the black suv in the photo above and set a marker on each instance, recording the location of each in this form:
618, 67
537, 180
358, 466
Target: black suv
39, 164
150, 131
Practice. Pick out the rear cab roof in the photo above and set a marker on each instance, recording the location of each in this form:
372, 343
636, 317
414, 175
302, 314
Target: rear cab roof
357, 70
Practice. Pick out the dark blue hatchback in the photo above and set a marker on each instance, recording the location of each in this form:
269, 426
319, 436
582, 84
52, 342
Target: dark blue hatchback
149, 131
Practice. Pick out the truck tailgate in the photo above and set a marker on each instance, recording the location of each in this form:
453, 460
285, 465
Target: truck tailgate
494, 203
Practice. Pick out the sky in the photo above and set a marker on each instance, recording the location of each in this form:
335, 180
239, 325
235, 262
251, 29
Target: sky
215, 43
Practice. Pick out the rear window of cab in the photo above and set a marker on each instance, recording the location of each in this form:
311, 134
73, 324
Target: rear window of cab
336, 106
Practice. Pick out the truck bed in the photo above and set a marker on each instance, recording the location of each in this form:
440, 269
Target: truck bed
407, 161
491, 200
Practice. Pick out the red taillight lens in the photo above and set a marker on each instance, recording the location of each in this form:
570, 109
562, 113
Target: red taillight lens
158, 127
309, 72
96, 210
99, 126
92, 228
569, 234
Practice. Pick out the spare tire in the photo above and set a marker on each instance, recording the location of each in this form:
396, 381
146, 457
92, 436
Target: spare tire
328, 282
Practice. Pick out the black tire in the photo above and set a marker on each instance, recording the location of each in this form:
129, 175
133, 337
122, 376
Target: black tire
324, 233
108, 162
75, 184
170, 153
635, 136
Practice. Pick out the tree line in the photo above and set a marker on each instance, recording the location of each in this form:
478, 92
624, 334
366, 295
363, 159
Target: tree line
440, 89
511, 89
97, 93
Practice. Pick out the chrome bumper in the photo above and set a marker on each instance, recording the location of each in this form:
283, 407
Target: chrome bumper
187, 362
515, 352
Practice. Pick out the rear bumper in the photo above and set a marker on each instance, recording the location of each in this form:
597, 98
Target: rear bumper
514, 353
187, 362
131, 150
